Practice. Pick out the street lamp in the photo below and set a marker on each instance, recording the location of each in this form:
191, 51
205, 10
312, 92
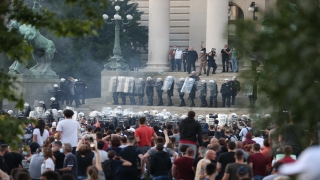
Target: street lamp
253, 9
116, 62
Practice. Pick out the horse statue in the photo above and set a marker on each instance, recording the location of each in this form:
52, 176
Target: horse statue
43, 52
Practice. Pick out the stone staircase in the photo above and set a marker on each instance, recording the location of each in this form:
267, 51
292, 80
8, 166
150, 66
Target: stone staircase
241, 107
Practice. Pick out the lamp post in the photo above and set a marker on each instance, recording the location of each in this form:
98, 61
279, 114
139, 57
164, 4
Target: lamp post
116, 62
253, 9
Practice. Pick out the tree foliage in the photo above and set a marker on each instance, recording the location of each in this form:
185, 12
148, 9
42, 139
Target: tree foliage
13, 47
290, 44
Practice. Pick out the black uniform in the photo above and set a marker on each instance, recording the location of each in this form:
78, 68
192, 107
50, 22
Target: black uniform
170, 94
212, 62
131, 95
213, 87
203, 94
235, 85
185, 59
64, 89
226, 93
57, 93
225, 60
192, 94
140, 91
26, 111
80, 90
55, 105
192, 56
150, 91
159, 92
181, 94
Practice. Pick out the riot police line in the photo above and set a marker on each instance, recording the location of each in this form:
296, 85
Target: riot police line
70, 90
123, 86
120, 117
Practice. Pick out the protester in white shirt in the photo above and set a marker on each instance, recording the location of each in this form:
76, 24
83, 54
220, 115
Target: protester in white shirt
177, 59
67, 130
40, 134
47, 164
257, 138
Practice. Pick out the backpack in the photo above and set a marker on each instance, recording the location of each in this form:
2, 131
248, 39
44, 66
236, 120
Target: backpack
108, 172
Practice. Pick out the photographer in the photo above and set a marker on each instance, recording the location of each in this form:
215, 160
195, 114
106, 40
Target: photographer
246, 128
212, 61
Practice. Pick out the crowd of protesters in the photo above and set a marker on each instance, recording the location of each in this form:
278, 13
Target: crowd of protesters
77, 150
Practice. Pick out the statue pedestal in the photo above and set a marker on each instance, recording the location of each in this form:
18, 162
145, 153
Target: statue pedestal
34, 87
106, 96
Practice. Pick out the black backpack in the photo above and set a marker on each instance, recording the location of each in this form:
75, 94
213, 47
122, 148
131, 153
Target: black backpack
108, 172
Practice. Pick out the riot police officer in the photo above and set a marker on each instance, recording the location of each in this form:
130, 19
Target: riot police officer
169, 86
192, 94
113, 84
159, 90
54, 104
211, 61
203, 93
80, 89
70, 90
64, 89
27, 110
235, 86
179, 85
226, 93
121, 89
213, 88
57, 92
131, 91
140, 85
150, 90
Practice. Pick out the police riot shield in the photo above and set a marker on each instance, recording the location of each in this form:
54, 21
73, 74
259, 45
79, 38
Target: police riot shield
223, 119
40, 112
233, 118
167, 84
140, 85
187, 85
202, 89
75, 115
129, 85
179, 85
113, 84
159, 85
121, 83
248, 86
212, 89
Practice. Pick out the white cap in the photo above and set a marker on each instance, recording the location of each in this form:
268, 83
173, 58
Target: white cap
159, 79
26, 105
203, 81
307, 165
267, 116
54, 124
10, 112
62, 79
52, 99
41, 102
132, 129
55, 85
226, 79
234, 77
75, 80
211, 81
140, 79
181, 79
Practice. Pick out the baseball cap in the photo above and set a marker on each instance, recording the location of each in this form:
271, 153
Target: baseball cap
242, 171
307, 165
132, 129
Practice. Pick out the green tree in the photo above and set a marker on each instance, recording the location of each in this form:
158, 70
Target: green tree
13, 47
289, 43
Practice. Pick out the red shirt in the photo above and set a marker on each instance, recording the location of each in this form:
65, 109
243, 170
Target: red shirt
105, 146
259, 164
145, 134
287, 160
184, 168
268, 153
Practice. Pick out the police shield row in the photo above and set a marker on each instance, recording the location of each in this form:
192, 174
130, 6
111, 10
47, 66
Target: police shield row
127, 86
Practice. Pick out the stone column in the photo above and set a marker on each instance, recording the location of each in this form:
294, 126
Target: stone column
217, 27
159, 27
